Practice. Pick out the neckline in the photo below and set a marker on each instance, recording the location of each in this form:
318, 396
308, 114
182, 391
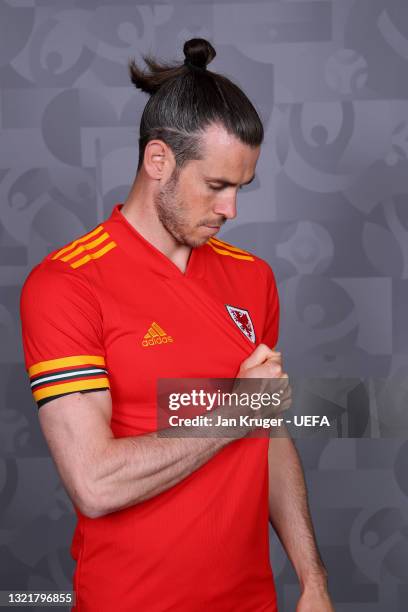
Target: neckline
133, 242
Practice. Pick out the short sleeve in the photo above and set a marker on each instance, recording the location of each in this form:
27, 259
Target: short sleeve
62, 334
270, 333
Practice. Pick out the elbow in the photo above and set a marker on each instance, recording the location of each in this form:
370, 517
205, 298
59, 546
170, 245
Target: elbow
96, 500
88, 503
91, 510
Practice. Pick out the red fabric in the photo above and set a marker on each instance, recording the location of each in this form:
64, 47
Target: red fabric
202, 544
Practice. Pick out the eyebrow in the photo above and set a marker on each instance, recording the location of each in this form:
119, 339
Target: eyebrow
224, 181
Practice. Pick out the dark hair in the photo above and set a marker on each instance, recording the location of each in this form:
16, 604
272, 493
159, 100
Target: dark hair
186, 98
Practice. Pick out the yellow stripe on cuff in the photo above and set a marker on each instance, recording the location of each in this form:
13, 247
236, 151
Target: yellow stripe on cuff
65, 362
79, 385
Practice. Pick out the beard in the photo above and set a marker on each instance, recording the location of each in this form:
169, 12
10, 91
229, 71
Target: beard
173, 213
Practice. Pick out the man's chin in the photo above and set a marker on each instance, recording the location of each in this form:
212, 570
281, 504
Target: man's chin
196, 242
199, 236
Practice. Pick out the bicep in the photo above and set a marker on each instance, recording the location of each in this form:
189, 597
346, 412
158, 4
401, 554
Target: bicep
77, 430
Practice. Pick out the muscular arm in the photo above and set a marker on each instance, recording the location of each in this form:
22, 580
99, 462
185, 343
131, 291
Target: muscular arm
102, 473
289, 512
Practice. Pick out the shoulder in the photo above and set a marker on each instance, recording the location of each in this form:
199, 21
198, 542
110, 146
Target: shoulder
52, 285
67, 268
242, 261
85, 249
57, 300
227, 250
48, 280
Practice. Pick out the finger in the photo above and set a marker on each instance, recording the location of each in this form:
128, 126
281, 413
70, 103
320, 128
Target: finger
276, 381
274, 367
277, 357
257, 357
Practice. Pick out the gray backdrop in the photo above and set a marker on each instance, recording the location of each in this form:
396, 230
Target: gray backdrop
328, 211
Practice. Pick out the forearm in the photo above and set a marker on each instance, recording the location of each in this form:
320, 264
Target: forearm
289, 512
125, 471
134, 469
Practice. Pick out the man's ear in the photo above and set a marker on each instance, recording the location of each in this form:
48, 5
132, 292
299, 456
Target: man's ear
159, 160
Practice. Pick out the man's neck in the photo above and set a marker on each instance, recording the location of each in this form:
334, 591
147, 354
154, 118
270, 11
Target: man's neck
138, 209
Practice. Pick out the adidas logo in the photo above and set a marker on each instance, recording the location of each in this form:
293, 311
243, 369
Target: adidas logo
156, 335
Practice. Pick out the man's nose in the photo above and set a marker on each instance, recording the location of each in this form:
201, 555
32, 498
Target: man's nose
227, 207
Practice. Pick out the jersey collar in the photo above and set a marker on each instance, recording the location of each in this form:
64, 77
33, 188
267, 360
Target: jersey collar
137, 247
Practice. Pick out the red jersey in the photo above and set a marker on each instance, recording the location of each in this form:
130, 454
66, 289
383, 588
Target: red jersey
110, 311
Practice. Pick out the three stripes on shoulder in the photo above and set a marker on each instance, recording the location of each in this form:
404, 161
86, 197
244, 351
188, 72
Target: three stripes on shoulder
224, 248
92, 245
96, 243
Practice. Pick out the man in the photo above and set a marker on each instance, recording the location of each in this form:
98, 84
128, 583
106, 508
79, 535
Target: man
168, 523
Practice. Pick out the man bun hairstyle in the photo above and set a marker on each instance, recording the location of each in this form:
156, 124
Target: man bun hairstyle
185, 98
198, 53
